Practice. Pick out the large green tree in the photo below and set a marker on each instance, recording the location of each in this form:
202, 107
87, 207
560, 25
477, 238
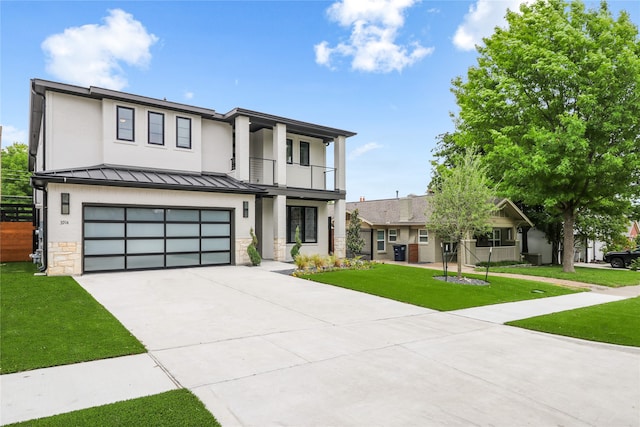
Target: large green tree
554, 106
462, 204
16, 187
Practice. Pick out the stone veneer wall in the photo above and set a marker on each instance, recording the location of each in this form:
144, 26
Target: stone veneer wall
64, 258
280, 249
242, 257
340, 247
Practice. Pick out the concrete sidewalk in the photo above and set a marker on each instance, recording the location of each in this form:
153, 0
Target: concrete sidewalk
261, 348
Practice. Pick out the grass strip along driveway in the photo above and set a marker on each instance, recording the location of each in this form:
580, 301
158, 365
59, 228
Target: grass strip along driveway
614, 323
594, 276
417, 286
51, 321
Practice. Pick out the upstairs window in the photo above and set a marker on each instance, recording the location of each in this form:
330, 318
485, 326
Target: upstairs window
304, 153
156, 128
183, 132
423, 235
289, 151
393, 235
125, 123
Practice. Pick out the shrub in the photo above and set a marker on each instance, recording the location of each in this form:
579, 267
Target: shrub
320, 261
302, 262
295, 250
635, 264
254, 256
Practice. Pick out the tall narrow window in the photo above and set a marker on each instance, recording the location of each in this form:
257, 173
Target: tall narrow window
156, 128
289, 151
64, 203
183, 132
125, 124
304, 153
380, 240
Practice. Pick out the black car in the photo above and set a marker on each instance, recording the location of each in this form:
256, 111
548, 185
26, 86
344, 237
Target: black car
622, 259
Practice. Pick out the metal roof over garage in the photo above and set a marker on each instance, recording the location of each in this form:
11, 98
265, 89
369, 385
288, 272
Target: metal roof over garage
146, 178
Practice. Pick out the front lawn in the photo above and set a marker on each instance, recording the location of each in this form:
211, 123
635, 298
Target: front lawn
417, 286
615, 323
172, 408
49, 321
595, 276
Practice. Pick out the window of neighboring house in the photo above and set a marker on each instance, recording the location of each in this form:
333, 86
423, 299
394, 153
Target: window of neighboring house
306, 218
289, 151
423, 235
156, 128
495, 240
125, 124
183, 132
393, 235
380, 239
304, 153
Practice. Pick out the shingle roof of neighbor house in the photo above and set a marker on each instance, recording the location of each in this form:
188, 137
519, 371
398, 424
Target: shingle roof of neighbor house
411, 210
148, 178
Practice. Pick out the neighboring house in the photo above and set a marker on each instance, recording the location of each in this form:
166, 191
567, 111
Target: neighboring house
590, 251
401, 222
126, 182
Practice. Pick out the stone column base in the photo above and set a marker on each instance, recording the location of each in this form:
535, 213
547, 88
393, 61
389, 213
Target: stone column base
64, 258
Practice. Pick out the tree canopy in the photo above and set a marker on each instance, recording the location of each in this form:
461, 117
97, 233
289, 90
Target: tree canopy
554, 106
16, 187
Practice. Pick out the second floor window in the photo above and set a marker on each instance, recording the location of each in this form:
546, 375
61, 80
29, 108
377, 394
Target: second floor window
183, 132
289, 151
393, 235
125, 124
156, 128
423, 235
304, 153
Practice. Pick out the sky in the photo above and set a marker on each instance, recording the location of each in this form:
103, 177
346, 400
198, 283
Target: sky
380, 68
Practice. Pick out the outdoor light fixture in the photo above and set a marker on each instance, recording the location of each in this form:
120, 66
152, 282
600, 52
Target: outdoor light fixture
245, 209
64, 203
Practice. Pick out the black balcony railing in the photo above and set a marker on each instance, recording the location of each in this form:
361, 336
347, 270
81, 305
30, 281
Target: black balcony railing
316, 177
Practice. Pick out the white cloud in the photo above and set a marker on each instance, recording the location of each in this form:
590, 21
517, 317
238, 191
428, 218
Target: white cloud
188, 95
11, 134
481, 20
93, 54
373, 46
364, 149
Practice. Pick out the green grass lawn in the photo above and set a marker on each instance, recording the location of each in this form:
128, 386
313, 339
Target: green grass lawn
173, 408
49, 321
615, 323
417, 286
595, 276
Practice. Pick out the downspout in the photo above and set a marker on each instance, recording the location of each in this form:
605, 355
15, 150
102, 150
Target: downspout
45, 193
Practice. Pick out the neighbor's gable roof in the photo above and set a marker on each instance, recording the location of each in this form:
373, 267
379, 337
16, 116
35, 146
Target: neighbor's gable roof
411, 211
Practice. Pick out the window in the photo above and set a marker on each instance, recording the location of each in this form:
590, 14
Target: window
495, 241
156, 128
380, 238
393, 235
125, 124
304, 153
306, 218
289, 151
183, 132
423, 236
64, 203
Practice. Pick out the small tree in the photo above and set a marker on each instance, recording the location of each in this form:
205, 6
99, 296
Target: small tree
355, 242
295, 250
252, 250
462, 204
16, 187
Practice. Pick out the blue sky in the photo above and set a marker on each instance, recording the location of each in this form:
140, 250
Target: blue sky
381, 68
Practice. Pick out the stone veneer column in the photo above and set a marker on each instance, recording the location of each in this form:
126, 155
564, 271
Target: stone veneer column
242, 256
339, 229
280, 228
64, 258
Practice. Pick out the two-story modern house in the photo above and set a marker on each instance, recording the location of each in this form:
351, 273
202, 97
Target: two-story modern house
126, 182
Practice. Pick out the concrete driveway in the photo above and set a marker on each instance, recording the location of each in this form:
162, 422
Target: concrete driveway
264, 349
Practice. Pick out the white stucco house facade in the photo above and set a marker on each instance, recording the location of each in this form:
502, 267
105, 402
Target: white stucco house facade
128, 182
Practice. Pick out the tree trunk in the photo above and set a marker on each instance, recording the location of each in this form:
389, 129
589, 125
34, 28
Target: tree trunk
567, 253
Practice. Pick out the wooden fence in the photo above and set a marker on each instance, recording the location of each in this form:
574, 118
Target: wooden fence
16, 232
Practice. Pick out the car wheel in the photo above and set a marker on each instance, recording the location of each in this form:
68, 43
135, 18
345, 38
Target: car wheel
617, 263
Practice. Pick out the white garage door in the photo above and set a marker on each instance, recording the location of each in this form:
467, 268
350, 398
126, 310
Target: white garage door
137, 238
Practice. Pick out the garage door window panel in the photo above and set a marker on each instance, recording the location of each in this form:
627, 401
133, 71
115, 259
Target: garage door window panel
183, 215
182, 260
145, 261
145, 246
215, 230
95, 213
183, 245
222, 244
216, 258
145, 230
183, 230
145, 214
104, 229
216, 216
104, 263
99, 247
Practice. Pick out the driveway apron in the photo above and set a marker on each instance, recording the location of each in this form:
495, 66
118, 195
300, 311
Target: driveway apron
261, 348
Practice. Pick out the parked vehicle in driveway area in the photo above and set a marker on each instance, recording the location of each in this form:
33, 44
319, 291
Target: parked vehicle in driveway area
622, 259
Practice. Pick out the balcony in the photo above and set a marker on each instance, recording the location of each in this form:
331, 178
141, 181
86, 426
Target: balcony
315, 177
